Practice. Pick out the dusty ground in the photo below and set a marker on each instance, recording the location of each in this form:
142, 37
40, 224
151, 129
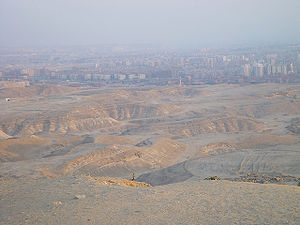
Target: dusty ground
77, 200
52, 137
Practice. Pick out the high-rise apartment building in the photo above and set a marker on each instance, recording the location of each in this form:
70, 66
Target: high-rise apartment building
259, 70
247, 70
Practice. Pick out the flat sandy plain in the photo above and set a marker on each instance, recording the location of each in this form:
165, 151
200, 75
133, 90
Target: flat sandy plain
66, 154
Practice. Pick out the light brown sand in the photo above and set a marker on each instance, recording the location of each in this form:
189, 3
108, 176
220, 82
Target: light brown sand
54, 201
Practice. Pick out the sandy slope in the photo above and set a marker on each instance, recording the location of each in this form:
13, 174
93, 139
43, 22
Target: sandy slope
3, 135
272, 160
31, 91
53, 201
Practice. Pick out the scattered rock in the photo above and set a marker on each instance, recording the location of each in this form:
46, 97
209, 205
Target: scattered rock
144, 143
79, 197
57, 203
294, 126
266, 179
108, 181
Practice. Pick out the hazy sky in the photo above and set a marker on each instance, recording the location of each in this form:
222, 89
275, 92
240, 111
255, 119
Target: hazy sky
176, 23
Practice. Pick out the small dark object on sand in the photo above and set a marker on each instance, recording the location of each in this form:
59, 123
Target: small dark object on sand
212, 178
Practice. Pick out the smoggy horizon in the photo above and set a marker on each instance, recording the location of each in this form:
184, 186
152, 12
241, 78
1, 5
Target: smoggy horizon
179, 24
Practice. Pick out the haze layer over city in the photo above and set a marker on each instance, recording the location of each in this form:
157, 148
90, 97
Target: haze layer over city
173, 23
149, 112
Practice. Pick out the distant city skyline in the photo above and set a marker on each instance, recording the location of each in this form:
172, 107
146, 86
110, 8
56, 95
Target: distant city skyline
139, 66
180, 24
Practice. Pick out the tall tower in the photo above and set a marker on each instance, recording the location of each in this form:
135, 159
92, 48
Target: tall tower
284, 69
292, 68
180, 82
298, 64
259, 70
247, 70
269, 69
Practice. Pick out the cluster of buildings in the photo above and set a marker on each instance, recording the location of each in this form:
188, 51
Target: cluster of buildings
271, 67
151, 66
69, 76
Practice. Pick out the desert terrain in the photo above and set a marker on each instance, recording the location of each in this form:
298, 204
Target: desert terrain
67, 154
